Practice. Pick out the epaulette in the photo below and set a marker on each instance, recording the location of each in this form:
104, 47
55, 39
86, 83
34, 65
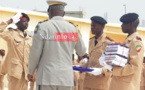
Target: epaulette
36, 28
43, 21
138, 38
76, 26
10, 29
73, 24
109, 38
92, 37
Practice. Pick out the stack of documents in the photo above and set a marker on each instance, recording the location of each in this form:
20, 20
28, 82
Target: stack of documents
117, 49
115, 60
115, 55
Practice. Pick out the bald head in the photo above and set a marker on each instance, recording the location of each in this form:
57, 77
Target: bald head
56, 10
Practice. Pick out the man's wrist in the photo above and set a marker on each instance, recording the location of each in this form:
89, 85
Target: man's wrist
9, 21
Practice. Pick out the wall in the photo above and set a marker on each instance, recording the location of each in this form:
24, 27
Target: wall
112, 30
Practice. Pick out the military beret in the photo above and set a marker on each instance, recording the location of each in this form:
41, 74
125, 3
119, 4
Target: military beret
128, 18
54, 2
26, 16
98, 19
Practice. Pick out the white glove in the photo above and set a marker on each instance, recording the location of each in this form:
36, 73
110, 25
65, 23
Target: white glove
85, 60
16, 18
109, 67
102, 59
96, 71
103, 63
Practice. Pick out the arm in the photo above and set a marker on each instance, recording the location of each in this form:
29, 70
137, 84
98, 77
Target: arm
134, 62
14, 19
35, 52
3, 25
106, 72
5, 34
80, 46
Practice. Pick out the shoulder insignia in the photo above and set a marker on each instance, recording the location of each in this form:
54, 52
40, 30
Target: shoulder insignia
36, 29
138, 48
43, 21
109, 38
76, 26
10, 29
138, 38
73, 24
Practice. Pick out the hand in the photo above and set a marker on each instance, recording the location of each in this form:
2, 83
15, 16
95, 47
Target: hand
103, 63
102, 59
85, 60
2, 52
82, 57
96, 71
31, 78
16, 18
109, 67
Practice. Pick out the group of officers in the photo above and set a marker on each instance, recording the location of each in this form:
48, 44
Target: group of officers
129, 77
19, 72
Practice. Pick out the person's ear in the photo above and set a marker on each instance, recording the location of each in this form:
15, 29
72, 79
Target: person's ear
132, 24
103, 26
52, 12
63, 13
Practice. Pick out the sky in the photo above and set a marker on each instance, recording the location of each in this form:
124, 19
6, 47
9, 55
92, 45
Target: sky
113, 9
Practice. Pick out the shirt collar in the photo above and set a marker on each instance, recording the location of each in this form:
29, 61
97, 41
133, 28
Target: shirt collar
102, 37
22, 33
132, 36
57, 18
